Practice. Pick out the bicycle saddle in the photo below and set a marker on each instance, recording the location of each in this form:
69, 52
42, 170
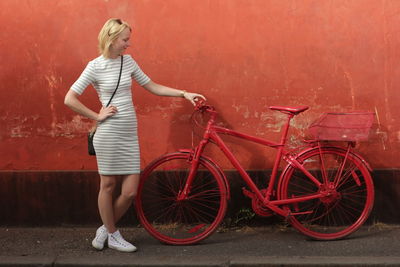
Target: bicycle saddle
291, 110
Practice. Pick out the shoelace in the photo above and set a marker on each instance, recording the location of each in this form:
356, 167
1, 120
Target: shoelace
101, 233
122, 242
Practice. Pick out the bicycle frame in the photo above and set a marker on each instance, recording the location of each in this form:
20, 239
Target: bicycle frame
325, 190
212, 133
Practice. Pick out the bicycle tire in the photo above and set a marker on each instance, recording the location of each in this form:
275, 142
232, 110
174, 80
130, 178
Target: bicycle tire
339, 214
180, 222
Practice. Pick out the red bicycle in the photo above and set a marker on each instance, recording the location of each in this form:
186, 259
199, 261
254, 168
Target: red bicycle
325, 191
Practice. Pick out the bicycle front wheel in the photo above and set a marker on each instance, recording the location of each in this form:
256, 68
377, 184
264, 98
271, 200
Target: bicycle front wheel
348, 198
187, 221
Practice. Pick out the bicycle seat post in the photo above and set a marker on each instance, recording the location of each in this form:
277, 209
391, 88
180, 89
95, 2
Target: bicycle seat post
290, 112
285, 129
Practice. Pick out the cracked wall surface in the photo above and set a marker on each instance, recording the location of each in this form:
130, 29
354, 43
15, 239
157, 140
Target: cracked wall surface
243, 55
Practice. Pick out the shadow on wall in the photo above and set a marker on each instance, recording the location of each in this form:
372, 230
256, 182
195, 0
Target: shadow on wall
190, 134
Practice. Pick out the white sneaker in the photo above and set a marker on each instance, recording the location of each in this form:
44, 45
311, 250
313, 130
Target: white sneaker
116, 241
100, 238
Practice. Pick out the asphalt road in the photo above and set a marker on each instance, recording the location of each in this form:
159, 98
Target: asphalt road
246, 246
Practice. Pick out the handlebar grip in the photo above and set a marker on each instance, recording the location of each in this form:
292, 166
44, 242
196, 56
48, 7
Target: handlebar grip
200, 102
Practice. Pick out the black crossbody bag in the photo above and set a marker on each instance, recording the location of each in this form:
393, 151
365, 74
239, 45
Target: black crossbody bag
91, 150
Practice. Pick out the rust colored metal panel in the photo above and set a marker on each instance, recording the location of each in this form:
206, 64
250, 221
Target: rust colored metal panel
70, 197
49, 198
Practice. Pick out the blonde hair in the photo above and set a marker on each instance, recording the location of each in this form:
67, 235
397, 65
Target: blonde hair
110, 32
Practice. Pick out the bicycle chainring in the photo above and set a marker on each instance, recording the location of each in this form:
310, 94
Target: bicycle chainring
259, 208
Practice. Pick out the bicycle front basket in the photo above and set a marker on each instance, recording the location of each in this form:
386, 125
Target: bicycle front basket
349, 126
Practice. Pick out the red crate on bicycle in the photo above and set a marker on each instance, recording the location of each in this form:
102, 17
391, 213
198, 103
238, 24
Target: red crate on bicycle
342, 126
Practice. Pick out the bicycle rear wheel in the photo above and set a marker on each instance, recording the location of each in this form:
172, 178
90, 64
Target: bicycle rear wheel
350, 193
180, 222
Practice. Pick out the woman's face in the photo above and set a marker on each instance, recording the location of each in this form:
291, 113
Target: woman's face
121, 43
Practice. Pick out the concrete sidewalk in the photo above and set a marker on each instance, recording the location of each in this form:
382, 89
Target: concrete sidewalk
377, 245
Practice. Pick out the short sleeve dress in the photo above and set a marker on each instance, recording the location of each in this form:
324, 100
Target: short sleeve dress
116, 141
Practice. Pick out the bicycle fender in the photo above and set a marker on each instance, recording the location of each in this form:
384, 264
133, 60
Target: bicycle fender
215, 165
362, 160
307, 150
355, 154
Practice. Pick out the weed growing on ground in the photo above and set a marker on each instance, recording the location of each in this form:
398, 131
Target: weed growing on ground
380, 226
243, 216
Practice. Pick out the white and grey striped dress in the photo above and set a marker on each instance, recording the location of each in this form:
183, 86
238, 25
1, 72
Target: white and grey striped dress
116, 141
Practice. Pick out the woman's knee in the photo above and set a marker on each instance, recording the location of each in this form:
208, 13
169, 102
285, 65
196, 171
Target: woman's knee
129, 194
107, 185
130, 186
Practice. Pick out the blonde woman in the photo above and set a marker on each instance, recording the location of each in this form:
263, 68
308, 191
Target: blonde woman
115, 142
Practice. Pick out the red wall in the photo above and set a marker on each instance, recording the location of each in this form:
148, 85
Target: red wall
243, 55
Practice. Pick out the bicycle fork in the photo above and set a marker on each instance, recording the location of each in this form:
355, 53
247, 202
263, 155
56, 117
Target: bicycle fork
194, 159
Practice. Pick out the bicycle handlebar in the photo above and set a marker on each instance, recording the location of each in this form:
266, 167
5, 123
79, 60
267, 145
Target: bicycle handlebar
201, 105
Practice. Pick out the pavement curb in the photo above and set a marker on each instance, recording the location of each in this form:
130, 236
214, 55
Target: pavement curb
134, 260
314, 261
27, 261
68, 261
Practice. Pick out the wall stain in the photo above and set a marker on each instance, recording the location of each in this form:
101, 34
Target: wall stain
54, 83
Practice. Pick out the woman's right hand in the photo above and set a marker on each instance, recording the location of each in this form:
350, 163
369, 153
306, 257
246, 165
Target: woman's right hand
106, 113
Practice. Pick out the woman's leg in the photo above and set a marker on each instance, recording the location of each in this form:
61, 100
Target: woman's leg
129, 189
110, 213
105, 201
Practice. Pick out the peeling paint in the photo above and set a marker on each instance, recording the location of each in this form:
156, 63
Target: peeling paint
53, 84
243, 109
19, 132
351, 87
77, 126
171, 106
383, 136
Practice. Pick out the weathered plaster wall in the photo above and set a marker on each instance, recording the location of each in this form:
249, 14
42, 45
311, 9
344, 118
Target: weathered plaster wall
243, 55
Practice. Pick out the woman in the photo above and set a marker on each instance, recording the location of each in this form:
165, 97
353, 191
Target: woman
115, 142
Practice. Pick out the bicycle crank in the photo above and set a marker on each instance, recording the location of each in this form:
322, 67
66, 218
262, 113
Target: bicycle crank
256, 204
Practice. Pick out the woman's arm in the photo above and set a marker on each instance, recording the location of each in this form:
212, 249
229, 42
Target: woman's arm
162, 90
72, 101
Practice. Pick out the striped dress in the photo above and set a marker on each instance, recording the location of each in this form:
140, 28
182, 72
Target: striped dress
116, 141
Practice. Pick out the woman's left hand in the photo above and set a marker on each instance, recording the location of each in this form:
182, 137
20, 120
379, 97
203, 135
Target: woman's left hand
192, 97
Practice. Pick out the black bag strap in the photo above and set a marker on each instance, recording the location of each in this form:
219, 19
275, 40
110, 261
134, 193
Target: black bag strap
119, 79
